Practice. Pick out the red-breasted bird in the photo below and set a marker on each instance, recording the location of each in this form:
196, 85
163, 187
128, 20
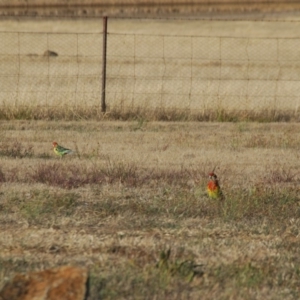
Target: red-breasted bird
213, 187
60, 150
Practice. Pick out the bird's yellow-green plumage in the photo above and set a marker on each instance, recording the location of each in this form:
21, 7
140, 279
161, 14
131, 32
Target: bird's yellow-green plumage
60, 150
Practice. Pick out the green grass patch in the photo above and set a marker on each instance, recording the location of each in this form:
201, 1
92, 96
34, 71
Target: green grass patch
40, 206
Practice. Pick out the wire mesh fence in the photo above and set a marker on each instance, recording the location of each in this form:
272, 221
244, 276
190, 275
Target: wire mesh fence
150, 71
50, 69
196, 72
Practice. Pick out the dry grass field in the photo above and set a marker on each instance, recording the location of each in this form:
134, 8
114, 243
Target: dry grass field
131, 205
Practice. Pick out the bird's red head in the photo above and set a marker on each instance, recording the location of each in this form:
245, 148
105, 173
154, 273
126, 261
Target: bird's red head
212, 176
54, 144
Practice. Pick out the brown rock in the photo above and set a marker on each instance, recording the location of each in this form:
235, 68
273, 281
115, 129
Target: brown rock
50, 53
66, 283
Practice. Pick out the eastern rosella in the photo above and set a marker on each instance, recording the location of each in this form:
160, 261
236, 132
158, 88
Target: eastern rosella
213, 187
60, 151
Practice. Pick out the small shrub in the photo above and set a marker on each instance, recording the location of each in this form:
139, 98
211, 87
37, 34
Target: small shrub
184, 269
57, 174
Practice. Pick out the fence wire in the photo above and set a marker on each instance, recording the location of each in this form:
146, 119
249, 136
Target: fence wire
151, 71
50, 69
194, 72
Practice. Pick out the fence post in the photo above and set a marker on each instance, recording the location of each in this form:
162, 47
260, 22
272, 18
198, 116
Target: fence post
103, 104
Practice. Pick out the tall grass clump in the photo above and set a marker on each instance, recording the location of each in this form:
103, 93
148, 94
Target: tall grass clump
16, 150
69, 113
75, 175
168, 277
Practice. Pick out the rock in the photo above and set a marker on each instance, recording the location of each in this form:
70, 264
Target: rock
67, 283
50, 53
